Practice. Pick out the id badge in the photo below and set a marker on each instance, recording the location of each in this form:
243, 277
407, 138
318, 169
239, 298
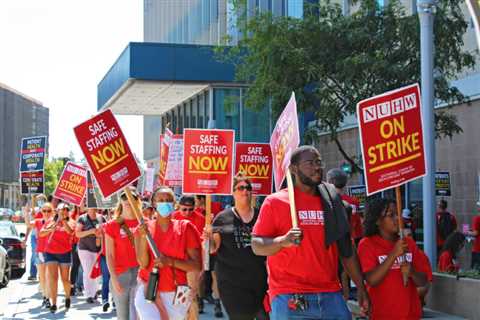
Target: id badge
182, 295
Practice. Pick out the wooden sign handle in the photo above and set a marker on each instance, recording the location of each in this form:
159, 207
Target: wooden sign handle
403, 267
136, 210
291, 198
208, 223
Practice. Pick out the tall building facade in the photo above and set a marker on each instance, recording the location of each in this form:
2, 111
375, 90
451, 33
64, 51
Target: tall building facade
207, 22
20, 116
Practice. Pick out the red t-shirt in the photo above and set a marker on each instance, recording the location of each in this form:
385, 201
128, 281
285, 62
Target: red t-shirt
41, 241
180, 236
59, 241
356, 229
424, 261
195, 217
391, 299
308, 268
125, 257
446, 262
476, 227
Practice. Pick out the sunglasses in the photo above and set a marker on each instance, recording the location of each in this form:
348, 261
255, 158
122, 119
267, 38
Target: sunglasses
243, 188
46, 210
124, 197
187, 209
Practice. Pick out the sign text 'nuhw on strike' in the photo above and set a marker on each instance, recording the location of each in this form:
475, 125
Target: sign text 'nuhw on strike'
392, 138
107, 152
208, 163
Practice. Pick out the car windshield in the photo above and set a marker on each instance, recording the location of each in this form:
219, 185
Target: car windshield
6, 231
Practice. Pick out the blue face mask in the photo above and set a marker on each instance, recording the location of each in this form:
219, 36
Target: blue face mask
165, 208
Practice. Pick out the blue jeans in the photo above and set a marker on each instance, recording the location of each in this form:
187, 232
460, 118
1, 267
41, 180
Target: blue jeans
325, 305
34, 257
105, 278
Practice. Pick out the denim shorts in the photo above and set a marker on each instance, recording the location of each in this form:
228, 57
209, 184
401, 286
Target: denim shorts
60, 258
325, 305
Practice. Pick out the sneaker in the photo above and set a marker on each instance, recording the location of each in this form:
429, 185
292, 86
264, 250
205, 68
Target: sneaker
67, 303
210, 299
90, 300
53, 308
32, 278
105, 306
47, 303
218, 309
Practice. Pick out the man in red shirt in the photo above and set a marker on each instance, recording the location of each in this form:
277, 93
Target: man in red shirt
303, 262
186, 211
475, 232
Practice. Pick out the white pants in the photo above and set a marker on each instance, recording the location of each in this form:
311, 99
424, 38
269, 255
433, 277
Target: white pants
149, 311
87, 259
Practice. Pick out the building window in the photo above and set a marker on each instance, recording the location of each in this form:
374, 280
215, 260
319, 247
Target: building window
227, 109
255, 124
201, 111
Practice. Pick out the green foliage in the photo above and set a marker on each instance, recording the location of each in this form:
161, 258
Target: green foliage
53, 170
333, 61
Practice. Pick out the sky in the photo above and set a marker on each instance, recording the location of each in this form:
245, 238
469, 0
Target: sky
57, 51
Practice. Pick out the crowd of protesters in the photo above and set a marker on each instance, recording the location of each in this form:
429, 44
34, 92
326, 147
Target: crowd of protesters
262, 266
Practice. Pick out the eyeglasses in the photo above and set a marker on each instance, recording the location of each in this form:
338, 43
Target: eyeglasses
243, 188
187, 209
124, 197
46, 210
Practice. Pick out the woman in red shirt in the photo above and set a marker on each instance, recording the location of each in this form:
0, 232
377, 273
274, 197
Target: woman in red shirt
453, 244
121, 259
381, 255
58, 254
179, 244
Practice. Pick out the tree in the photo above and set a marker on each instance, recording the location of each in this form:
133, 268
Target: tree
332, 60
53, 170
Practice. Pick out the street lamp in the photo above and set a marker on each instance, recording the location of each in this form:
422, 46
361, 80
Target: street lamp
426, 10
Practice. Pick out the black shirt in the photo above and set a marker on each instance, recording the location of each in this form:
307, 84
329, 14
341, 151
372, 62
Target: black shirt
235, 262
88, 242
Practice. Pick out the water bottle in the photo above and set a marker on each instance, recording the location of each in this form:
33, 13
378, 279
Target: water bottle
152, 285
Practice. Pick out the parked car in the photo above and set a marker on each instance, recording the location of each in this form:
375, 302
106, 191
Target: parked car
5, 267
13, 243
18, 216
6, 214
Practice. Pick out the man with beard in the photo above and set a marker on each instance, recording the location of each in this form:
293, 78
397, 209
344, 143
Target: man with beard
303, 262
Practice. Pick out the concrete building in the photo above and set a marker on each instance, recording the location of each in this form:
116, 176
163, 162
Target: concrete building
174, 78
20, 116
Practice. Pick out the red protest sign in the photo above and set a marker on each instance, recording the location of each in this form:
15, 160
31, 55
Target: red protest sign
255, 161
391, 138
208, 161
72, 185
165, 140
107, 152
285, 138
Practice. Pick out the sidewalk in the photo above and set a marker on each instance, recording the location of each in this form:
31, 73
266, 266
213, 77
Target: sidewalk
427, 313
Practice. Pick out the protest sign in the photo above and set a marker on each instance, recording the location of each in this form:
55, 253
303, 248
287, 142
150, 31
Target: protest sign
442, 184
32, 182
360, 193
255, 161
32, 155
149, 178
107, 152
285, 138
94, 197
72, 185
391, 138
165, 140
208, 161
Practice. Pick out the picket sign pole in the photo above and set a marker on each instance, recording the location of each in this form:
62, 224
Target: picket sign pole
253, 201
291, 198
138, 215
208, 223
404, 266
